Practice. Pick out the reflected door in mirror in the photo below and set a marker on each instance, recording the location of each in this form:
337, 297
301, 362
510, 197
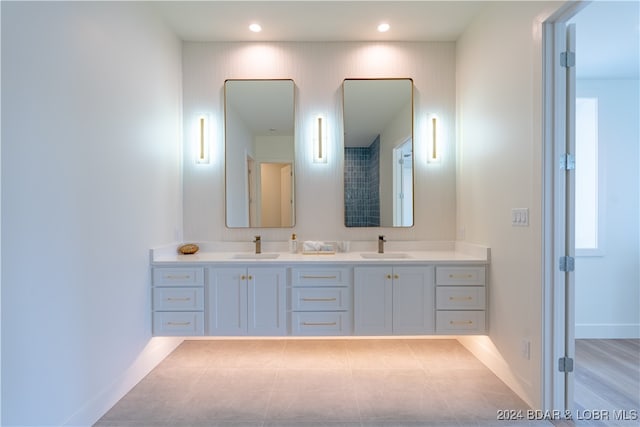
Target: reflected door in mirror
259, 153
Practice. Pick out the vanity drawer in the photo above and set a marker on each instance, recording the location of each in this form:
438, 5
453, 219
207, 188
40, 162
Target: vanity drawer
178, 299
168, 323
460, 322
465, 276
321, 299
338, 276
460, 298
323, 323
189, 276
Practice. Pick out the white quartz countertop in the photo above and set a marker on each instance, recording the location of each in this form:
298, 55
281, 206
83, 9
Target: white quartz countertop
442, 253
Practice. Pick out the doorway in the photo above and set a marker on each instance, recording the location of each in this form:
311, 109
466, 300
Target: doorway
591, 290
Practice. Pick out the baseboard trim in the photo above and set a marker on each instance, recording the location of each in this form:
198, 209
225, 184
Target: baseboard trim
607, 330
156, 350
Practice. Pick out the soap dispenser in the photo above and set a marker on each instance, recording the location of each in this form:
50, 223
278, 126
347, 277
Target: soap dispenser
293, 244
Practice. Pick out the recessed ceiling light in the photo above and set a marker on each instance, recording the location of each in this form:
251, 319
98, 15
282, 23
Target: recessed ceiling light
256, 28
384, 27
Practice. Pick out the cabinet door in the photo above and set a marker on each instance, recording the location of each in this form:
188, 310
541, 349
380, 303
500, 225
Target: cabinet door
227, 301
413, 300
267, 310
372, 308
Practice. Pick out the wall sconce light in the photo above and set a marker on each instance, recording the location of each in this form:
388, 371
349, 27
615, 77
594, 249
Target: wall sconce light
434, 140
202, 140
320, 140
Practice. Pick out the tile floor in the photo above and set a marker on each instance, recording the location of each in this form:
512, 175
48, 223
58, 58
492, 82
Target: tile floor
363, 382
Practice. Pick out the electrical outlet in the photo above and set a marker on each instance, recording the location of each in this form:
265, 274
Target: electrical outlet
520, 217
525, 349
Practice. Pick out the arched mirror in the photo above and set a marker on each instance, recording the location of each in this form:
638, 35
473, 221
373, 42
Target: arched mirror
259, 153
378, 152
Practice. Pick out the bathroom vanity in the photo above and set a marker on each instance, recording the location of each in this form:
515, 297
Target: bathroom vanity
440, 289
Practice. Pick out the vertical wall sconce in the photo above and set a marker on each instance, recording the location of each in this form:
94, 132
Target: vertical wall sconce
434, 139
320, 140
202, 140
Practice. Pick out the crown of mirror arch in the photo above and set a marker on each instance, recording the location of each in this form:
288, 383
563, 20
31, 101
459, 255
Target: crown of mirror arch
259, 153
378, 152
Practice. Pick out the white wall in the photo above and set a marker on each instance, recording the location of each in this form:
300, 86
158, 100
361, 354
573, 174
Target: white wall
608, 286
91, 109
499, 75
318, 70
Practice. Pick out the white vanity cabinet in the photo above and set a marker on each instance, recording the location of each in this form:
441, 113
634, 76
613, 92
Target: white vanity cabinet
461, 299
246, 301
321, 300
178, 301
394, 300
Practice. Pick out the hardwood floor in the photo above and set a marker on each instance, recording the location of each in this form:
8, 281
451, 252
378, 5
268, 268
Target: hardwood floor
607, 379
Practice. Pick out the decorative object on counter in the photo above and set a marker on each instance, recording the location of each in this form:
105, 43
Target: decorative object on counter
310, 247
293, 244
188, 249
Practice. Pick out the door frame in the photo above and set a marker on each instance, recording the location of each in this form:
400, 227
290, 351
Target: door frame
557, 388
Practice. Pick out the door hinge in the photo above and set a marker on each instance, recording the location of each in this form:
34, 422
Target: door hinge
565, 364
568, 59
567, 263
567, 161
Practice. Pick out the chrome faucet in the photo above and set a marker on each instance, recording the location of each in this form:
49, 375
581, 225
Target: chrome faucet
381, 241
258, 243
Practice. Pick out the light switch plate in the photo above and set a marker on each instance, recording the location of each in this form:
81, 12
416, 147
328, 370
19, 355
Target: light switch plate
520, 217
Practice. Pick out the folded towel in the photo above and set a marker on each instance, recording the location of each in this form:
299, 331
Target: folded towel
317, 246
310, 245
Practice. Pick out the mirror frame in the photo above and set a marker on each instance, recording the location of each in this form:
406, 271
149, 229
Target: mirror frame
293, 154
411, 136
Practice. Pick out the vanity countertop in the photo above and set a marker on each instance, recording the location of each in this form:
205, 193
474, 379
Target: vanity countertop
442, 253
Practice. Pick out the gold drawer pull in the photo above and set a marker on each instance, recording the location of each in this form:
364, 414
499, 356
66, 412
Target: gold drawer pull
183, 277
319, 299
461, 276
319, 323
460, 298
388, 276
178, 323
461, 322
319, 277
243, 277
179, 299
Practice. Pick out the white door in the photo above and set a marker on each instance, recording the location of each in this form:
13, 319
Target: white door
560, 217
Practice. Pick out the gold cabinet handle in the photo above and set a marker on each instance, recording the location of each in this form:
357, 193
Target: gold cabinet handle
173, 277
388, 276
460, 298
319, 299
461, 322
179, 299
461, 276
243, 277
250, 277
178, 323
319, 323
395, 276
319, 277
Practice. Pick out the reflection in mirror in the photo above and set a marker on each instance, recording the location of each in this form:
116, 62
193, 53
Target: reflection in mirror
259, 153
378, 152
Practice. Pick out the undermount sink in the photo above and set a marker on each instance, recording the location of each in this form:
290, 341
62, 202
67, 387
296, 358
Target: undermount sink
390, 255
268, 255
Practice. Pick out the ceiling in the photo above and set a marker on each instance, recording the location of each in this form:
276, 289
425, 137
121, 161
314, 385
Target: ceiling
608, 31
318, 20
